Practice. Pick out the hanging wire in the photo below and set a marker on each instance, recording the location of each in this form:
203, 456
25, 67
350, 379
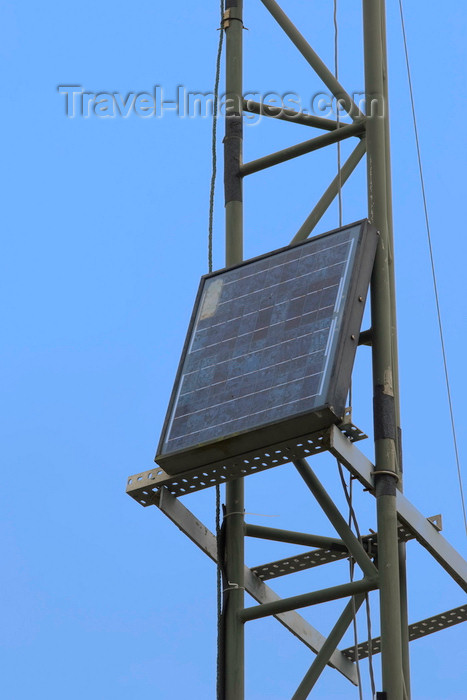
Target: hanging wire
212, 191
347, 495
336, 73
351, 571
215, 112
219, 592
353, 518
339, 170
433, 270
370, 646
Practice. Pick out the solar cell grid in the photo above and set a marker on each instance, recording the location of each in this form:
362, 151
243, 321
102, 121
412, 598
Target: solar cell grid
261, 342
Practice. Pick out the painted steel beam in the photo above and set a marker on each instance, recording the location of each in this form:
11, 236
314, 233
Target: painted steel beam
206, 541
304, 600
423, 530
356, 462
427, 534
335, 517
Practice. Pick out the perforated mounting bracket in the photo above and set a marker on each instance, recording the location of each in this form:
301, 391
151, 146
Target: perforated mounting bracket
416, 630
143, 487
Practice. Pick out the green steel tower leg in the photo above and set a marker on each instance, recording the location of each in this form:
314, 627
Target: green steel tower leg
233, 647
395, 374
384, 357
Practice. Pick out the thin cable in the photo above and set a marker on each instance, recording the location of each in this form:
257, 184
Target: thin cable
339, 170
215, 110
370, 646
433, 271
353, 518
219, 590
355, 628
336, 73
351, 571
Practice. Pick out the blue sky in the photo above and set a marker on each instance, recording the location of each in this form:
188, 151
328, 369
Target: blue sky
105, 239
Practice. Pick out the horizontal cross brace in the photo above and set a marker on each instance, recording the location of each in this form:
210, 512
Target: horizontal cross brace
289, 115
300, 149
301, 538
306, 599
291, 620
317, 557
416, 630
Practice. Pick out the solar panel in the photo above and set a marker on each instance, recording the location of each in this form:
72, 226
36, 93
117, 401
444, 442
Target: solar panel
269, 350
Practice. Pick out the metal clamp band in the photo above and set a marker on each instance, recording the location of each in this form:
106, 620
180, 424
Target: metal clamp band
386, 471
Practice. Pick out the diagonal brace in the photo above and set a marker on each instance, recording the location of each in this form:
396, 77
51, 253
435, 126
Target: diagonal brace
313, 59
335, 517
331, 193
336, 634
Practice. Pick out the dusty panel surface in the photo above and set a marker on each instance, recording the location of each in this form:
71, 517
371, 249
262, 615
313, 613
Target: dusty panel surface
261, 343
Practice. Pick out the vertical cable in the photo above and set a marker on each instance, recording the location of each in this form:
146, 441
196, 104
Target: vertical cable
433, 270
339, 170
219, 592
215, 112
353, 518
336, 73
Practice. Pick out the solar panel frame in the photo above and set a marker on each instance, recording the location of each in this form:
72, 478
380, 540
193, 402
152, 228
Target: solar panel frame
233, 444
